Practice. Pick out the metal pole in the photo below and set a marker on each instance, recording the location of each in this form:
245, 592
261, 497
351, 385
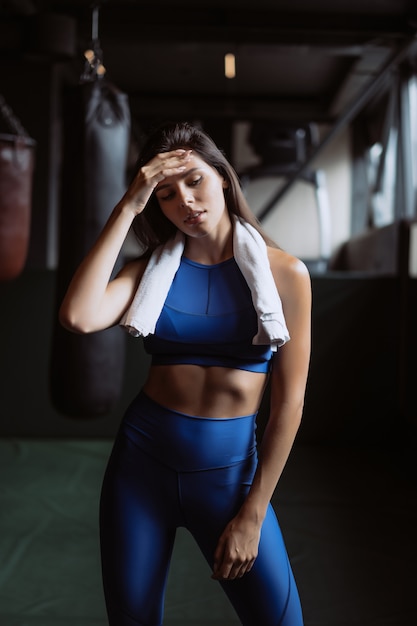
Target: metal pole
346, 117
406, 150
94, 23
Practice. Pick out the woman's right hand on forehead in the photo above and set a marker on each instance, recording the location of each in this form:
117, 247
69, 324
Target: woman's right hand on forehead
150, 175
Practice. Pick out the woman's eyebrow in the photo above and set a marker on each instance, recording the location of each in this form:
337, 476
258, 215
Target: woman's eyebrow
182, 175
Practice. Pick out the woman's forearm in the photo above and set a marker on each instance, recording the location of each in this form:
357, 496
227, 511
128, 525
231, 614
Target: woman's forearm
92, 302
276, 445
238, 544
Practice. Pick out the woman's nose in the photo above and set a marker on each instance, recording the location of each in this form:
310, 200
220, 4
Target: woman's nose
185, 197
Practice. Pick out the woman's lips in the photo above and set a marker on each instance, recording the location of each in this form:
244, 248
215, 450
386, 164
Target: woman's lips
194, 217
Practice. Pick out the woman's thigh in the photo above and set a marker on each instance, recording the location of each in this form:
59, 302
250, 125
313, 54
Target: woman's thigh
268, 594
137, 531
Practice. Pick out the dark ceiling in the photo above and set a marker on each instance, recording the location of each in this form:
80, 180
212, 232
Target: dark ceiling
303, 59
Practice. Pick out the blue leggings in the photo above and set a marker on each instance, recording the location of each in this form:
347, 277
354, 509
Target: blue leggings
168, 470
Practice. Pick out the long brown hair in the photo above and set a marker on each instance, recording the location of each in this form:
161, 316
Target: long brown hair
151, 226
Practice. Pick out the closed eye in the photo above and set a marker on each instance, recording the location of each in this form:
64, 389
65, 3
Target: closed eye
167, 196
170, 194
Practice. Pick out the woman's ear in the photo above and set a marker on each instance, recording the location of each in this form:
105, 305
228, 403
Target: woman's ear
225, 184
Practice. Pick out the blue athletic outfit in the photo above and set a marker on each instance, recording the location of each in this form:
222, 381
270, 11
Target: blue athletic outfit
168, 469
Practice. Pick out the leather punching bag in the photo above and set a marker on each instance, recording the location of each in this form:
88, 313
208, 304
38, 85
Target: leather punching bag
17, 157
87, 370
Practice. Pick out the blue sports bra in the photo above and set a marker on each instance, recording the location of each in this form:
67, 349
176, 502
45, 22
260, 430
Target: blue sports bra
208, 319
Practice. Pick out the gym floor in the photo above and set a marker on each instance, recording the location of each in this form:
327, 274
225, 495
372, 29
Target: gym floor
349, 518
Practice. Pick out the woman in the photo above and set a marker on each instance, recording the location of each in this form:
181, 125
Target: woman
185, 454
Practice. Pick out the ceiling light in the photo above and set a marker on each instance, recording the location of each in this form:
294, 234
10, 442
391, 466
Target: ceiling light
229, 65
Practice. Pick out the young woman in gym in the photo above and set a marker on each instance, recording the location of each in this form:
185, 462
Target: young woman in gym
217, 303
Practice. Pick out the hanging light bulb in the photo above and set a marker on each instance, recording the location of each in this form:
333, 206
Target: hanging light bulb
229, 65
93, 67
89, 55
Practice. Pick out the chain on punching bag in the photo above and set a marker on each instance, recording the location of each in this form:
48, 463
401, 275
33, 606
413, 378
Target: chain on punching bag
17, 156
87, 370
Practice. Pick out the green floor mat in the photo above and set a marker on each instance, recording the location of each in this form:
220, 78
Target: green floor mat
49, 552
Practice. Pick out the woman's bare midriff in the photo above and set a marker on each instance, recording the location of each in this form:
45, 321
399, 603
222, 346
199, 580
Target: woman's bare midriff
206, 391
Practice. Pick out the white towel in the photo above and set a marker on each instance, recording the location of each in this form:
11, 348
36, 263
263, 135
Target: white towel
251, 256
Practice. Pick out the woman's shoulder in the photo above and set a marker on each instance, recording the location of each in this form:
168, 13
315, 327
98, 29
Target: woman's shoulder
285, 265
290, 273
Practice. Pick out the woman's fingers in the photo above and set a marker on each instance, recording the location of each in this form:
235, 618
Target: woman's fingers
156, 170
230, 570
231, 562
166, 164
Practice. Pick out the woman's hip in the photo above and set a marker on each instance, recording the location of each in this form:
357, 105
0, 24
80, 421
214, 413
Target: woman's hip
187, 442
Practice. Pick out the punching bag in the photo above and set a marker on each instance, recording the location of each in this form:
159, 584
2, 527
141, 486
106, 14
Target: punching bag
87, 370
17, 155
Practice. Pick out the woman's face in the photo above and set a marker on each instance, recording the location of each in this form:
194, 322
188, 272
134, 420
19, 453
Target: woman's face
194, 200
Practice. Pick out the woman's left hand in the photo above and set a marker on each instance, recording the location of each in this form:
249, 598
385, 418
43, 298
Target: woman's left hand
236, 549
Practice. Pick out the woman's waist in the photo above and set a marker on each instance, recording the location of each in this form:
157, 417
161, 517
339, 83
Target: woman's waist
188, 442
206, 391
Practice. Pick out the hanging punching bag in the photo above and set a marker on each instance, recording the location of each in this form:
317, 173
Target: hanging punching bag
87, 370
17, 155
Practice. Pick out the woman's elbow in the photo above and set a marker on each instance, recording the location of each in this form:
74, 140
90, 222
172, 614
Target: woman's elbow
71, 322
